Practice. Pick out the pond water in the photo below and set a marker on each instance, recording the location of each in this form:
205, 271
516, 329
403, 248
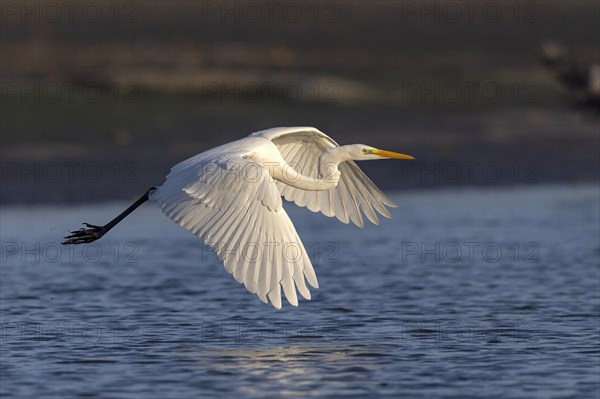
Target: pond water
464, 293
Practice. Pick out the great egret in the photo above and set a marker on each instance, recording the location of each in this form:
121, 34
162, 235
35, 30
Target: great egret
230, 197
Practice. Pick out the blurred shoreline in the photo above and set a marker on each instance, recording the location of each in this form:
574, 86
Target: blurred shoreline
99, 106
467, 147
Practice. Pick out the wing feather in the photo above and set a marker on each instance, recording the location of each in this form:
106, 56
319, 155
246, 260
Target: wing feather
355, 194
242, 221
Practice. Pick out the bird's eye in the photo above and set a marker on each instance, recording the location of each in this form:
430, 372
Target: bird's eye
365, 150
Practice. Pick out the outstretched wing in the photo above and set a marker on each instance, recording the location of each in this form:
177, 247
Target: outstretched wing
233, 205
301, 147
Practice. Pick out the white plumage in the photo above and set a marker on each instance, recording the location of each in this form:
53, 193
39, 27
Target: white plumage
230, 197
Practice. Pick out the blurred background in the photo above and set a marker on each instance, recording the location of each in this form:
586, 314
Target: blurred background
99, 99
484, 284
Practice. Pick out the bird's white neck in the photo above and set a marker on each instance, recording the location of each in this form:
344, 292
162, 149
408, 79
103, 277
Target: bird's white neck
328, 172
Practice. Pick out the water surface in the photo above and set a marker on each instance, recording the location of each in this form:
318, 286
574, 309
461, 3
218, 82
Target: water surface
468, 293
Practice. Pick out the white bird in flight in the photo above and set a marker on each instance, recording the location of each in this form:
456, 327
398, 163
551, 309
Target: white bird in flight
230, 197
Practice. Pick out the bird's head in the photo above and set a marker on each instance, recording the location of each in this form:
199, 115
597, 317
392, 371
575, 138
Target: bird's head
362, 152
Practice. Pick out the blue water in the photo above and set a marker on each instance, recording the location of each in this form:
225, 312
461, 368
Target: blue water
465, 293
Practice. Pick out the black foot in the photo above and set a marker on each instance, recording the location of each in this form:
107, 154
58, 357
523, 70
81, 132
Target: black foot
84, 236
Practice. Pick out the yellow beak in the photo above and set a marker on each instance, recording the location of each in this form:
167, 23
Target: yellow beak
390, 154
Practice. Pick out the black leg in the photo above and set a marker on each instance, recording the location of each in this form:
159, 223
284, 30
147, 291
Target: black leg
93, 232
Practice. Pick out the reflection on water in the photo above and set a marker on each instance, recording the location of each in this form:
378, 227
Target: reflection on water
481, 293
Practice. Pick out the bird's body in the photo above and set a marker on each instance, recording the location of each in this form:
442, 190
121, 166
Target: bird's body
230, 197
